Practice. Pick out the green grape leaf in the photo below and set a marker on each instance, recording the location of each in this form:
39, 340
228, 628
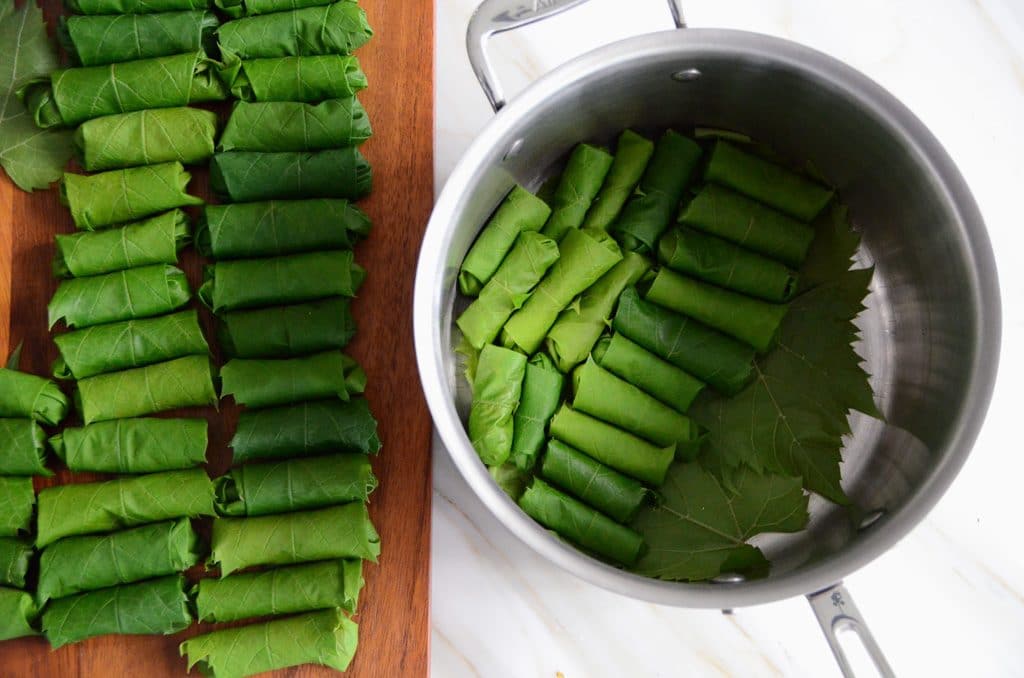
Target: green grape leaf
701, 528
32, 158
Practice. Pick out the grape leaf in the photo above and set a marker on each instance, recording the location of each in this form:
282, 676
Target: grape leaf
701, 528
32, 157
791, 418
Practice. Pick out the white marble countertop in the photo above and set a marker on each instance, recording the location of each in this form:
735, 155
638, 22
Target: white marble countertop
949, 599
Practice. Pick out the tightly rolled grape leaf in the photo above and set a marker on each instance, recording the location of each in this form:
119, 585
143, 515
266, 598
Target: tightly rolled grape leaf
113, 38
581, 524
122, 295
18, 614
16, 502
303, 78
237, 8
585, 257
241, 176
541, 396
281, 590
648, 372
578, 327
508, 289
154, 241
134, 343
253, 283
270, 382
87, 508
580, 182
285, 331
632, 153
134, 6
327, 638
274, 126
159, 606
612, 446
719, 360
22, 449
520, 211
601, 394
593, 483
727, 265
317, 427
650, 209
180, 134
496, 391
182, 382
14, 558
766, 182
140, 445
700, 529
26, 396
752, 321
792, 418
261, 229
738, 219
116, 196
295, 485
338, 28
78, 564
73, 95
304, 536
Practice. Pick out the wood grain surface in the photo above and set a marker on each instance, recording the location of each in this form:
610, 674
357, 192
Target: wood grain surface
394, 608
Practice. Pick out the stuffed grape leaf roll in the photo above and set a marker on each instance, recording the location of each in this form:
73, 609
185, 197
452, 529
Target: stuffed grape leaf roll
252, 283
541, 395
122, 295
14, 558
281, 590
76, 564
153, 241
270, 382
113, 38
181, 134
141, 445
295, 485
274, 227
327, 638
631, 157
578, 186
26, 396
285, 331
158, 606
183, 382
497, 388
22, 448
16, 502
295, 126
318, 427
593, 483
73, 95
242, 176
338, 28
303, 78
87, 508
117, 196
304, 536
18, 614
643, 369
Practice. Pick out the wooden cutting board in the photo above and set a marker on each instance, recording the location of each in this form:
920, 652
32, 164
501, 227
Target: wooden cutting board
394, 608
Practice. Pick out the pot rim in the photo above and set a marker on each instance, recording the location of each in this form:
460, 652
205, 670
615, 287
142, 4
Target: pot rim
704, 42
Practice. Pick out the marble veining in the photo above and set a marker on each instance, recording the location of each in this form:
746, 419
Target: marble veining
949, 599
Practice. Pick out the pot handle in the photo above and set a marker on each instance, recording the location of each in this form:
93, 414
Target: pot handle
837, 614
497, 16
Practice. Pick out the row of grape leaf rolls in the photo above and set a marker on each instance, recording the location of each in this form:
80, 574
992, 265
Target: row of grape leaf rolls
112, 552
597, 322
288, 168
133, 357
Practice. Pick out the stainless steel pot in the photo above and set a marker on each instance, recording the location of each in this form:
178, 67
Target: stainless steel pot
930, 335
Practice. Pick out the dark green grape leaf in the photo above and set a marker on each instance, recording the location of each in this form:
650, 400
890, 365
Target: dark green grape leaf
31, 157
701, 528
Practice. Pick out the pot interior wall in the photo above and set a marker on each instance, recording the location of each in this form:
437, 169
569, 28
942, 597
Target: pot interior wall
920, 330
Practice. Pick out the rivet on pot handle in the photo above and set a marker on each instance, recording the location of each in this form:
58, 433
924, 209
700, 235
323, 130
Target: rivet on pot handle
497, 16
837, 613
